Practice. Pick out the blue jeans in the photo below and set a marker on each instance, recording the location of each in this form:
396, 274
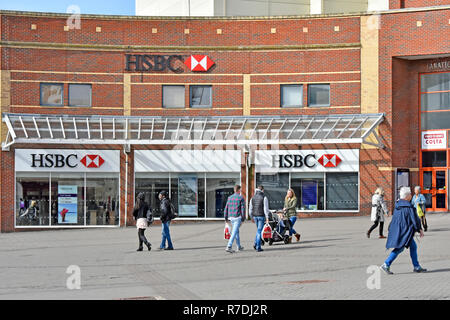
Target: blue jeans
292, 221
397, 251
236, 223
259, 227
166, 236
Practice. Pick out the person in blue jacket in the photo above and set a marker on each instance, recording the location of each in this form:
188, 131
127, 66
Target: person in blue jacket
405, 223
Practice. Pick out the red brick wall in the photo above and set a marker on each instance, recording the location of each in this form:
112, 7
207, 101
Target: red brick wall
398, 85
397, 4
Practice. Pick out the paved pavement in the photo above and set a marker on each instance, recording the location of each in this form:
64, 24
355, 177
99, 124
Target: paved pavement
330, 262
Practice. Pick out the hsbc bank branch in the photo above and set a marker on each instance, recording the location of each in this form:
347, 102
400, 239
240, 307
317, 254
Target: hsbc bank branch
66, 188
323, 180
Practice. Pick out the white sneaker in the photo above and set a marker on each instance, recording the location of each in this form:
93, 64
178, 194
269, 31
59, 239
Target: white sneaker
229, 250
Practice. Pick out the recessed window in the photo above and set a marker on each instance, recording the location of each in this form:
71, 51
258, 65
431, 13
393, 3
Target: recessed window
173, 96
200, 96
51, 94
319, 95
80, 95
291, 95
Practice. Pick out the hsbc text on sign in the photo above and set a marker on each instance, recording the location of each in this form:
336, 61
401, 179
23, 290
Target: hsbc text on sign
434, 139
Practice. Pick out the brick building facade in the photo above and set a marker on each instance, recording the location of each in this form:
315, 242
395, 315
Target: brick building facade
370, 64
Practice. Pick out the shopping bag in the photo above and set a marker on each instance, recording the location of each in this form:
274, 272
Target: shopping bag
227, 232
267, 232
420, 211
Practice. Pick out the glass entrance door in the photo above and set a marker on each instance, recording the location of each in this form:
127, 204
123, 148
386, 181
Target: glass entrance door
434, 183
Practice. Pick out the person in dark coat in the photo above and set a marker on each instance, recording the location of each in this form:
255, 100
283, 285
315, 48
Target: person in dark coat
140, 215
405, 223
166, 213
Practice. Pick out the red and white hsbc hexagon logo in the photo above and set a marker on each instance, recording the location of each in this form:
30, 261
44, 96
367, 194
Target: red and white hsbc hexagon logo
201, 63
329, 160
92, 161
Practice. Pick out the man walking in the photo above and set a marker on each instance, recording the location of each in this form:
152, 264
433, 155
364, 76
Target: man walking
259, 212
405, 223
235, 212
166, 213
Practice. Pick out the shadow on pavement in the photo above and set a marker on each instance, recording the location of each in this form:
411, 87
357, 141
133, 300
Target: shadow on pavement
284, 247
438, 270
324, 240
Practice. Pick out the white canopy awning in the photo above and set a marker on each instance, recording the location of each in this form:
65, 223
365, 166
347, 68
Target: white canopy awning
239, 130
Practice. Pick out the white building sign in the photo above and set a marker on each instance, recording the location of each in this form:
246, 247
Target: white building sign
434, 139
63, 160
332, 160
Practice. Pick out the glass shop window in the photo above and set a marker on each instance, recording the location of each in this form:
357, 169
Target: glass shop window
67, 194
32, 199
275, 188
200, 96
309, 190
319, 95
151, 185
219, 186
342, 191
102, 199
291, 95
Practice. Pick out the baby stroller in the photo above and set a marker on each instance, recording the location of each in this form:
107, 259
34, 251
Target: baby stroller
278, 231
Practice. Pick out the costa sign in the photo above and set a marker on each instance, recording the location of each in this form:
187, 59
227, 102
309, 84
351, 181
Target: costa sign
335, 160
160, 63
434, 139
67, 160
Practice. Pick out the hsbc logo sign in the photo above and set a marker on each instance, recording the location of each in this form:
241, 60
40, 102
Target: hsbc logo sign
200, 63
309, 161
161, 63
65, 161
329, 160
92, 161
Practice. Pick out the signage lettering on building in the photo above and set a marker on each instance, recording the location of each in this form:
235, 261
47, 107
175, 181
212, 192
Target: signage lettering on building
434, 139
66, 160
293, 161
439, 65
53, 160
314, 160
145, 62
160, 63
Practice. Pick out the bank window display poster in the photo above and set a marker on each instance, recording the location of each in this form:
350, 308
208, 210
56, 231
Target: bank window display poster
187, 195
67, 204
309, 195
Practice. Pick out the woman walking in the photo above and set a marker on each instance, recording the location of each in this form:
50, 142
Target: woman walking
140, 215
290, 203
418, 201
379, 209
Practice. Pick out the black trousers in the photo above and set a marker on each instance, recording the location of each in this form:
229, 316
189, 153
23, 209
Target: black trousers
142, 238
376, 225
